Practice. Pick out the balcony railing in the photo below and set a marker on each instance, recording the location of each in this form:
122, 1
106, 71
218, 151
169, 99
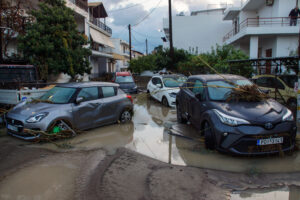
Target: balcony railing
81, 4
260, 22
101, 48
99, 24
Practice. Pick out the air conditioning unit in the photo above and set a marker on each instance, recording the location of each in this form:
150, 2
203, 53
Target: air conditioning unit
269, 2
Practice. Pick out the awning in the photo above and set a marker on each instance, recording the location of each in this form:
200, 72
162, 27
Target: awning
118, 56
101, 38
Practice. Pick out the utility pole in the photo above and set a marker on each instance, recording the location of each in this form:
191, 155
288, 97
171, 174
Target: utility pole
171, 34
146, 46
129, 28
1, 36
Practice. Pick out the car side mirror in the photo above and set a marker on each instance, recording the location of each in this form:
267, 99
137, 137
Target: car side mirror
79, 100
159, 85
199, 96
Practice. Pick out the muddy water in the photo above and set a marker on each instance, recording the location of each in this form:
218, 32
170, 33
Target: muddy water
285, 193
40, 182
149, 135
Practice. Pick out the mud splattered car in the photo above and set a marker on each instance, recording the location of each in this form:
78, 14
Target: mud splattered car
79, 106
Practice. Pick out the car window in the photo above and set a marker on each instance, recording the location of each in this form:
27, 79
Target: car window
278, 84
108, 92
124, 79
59, 95
265, 82
190, 84
156, 81
89, 94
198, 87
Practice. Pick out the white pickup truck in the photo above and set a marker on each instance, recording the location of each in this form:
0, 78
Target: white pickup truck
19, 82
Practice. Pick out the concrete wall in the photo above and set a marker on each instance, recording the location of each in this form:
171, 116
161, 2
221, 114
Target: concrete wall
199, 32
286, 44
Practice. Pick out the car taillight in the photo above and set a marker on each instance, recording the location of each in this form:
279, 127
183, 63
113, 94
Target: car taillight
130, 98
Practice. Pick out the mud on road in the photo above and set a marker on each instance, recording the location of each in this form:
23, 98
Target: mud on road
141, 160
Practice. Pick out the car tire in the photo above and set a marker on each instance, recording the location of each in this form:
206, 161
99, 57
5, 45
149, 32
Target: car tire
165, 101
125, 116
180, 118
209, 136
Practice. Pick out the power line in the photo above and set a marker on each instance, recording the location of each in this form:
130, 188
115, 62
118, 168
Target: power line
154, 37
148, 14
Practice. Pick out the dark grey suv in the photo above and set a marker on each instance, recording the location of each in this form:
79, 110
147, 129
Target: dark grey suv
78, 105
245, 128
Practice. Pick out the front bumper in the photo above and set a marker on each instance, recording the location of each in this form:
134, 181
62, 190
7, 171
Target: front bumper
130, 91
20, 126
242, 140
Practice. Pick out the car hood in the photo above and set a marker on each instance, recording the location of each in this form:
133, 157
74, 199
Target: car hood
29, 109
255, 112
127, 85
171, 90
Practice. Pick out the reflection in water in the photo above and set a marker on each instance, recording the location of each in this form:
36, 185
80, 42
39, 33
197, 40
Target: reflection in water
286, 193
150, 134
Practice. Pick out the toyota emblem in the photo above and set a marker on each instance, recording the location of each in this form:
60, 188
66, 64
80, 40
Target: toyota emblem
269, 126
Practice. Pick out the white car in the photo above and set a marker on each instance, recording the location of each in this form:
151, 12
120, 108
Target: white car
164, 88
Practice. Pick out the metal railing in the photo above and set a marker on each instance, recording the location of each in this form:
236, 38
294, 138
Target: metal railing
101, 25
81, 4
100, 48
260, 22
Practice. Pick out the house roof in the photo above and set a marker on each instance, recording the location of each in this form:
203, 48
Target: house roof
97, 10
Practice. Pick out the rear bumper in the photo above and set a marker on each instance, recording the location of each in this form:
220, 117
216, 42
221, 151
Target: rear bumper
130, 91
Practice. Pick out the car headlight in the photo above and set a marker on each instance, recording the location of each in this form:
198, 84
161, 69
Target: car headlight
36, 118
173, 94
288, 116
229, 120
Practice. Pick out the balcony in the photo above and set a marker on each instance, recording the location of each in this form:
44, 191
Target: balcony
100, 25
81, 4
260, 26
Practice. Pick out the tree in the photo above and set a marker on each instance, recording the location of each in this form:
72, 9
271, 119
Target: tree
52, 42
12, 22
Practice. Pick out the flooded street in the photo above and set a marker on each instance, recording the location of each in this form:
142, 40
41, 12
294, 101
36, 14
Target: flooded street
60, 169
155, 133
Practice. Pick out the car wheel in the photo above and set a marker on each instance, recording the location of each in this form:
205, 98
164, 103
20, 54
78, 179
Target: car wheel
125, 116
180, 119
209, 137
148, 91
165, 101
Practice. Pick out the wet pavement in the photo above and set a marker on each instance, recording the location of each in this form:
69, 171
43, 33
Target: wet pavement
154, 132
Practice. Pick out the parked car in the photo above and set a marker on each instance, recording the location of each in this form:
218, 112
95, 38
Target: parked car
285, 85
126, 82
80, 106
164, 88
237, 127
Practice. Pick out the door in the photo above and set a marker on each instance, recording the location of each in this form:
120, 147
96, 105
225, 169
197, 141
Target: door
187, 97
85, 112
154, 88
109, 106
197, 103
268, 63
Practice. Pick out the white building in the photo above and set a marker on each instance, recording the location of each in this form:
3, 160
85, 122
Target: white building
90, 19
199, 32
262, 28
121, 54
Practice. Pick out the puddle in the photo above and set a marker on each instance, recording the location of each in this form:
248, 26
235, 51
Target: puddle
149, 135
40, 182
285, 193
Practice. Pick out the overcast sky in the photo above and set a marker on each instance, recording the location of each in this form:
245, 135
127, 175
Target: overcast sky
119, 18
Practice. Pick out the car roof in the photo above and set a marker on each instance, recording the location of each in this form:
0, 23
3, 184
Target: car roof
123, 74
213, 77
87, 84
168, 75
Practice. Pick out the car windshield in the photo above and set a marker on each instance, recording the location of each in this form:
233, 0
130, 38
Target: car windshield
173, 82
59, 95
219, 90
124, 79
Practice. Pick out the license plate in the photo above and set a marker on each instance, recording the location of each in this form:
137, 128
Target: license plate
269, 141
13, 128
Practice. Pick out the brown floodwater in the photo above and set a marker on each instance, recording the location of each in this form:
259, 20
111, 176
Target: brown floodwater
284, 193
148, 134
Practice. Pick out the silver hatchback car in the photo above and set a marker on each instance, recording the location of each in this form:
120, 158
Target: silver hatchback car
80, 106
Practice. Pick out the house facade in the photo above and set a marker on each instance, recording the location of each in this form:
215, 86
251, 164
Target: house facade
90, 19
121, 54
199, 32
262, 28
